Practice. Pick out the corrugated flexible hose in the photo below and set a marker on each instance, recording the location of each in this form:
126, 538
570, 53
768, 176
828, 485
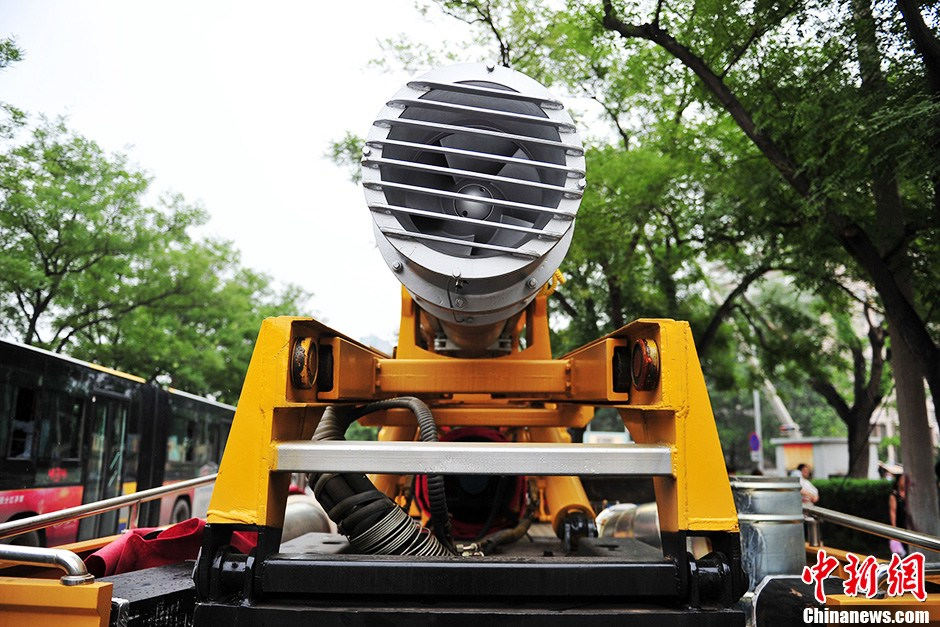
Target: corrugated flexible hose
372, 521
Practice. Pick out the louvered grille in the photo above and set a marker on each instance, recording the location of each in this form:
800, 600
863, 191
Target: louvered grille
476, 169
473, 176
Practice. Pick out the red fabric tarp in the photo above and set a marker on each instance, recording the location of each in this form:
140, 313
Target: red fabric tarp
148, 547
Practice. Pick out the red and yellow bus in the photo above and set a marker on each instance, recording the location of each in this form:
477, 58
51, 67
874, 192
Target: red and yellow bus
73, 432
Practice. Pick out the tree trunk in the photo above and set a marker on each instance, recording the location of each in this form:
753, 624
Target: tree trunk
916, 447
858, 445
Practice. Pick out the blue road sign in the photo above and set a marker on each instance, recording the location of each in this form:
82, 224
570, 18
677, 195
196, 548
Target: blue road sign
753, 442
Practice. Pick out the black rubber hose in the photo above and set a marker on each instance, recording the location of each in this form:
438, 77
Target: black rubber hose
352, 501
437, 498
497, 507
506, 536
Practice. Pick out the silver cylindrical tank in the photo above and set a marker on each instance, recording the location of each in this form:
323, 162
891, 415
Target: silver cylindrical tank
770, 513
626, 520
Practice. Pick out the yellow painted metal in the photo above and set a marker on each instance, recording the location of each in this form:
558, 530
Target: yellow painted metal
591, 371
530, 377
391, 485
492, 413
42, 602
354, 367
531, 390
678, 413
535, 321
561, 494
270, 410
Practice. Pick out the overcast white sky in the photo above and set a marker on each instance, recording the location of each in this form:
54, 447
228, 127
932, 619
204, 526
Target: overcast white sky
233, 106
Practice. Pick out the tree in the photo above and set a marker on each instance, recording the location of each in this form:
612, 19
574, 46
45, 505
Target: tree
806, 340
801, 154
87, 266
9, 54
873, 197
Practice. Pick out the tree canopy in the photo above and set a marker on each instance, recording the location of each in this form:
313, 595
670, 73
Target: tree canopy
769, 171
89, 266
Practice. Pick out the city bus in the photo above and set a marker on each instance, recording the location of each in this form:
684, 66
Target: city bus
73, 432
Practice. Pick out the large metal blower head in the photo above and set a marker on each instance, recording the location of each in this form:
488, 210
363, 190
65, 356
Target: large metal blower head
473, 175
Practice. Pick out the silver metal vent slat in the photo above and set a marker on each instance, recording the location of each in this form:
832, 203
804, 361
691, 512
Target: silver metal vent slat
436, 105
380, 185
402, 234
463, 88
571, 149
485, 156
455, 218
470, 174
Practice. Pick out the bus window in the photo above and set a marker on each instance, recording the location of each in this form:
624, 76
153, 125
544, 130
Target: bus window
213, 452
22, 425
7, 394
132, 447
58, 453
224, 427
201, 442
60, 438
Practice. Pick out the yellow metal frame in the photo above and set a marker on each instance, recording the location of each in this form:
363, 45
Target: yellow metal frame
527, 390
42, 602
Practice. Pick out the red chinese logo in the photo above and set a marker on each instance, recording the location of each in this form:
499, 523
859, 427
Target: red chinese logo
903, 575
861, 576
907, 575
817, 573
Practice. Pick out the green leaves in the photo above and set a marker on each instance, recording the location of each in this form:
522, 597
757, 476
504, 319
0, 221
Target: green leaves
87, 266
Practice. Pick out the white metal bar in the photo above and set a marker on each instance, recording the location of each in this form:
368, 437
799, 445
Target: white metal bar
75, 571
374, 162
440, 193
922, 540
473, 154
40, 521
455, 218
402, 234
570, 149
463, 88
484, 458
449, 107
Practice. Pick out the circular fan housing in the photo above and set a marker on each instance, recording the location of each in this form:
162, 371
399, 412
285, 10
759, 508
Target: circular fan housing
473, 175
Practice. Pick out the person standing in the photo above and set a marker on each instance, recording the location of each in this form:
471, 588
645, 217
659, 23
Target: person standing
808, 491
897, 510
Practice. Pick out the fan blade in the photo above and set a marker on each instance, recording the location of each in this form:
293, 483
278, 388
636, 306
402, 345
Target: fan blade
454, 250
505, 237
490, 145
520, 193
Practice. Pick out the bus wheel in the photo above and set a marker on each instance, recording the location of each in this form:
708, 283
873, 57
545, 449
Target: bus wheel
180, 511
24, 539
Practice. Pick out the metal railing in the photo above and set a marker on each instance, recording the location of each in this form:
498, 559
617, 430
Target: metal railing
920, 540
72, 564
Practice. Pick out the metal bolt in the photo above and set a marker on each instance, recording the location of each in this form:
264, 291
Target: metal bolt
397, 266
366, 151
460, 302
490, 67
531, 283
582, 183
